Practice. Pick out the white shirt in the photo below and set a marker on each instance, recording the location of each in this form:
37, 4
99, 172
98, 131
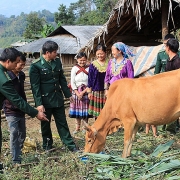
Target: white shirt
79, 79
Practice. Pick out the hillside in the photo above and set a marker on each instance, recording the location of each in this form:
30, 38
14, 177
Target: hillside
12, 28
83, 12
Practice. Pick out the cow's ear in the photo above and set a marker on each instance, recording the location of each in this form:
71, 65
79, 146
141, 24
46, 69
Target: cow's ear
91, 134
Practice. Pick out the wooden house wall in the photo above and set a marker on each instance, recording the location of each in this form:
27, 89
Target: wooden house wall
68, 59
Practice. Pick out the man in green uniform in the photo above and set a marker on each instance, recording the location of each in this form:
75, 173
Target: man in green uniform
8, 61
47, 83
161, 62
162, 56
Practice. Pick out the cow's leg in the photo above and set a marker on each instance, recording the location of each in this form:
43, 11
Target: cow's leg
132, 139
128, 132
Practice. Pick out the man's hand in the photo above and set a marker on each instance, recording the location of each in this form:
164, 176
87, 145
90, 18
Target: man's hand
41, 108
41, 116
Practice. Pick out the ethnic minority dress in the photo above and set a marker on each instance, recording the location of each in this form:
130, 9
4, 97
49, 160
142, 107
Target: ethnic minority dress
117, 71
79, 108
96, 83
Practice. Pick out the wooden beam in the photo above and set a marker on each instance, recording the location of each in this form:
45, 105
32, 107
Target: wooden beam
165, 28
138, 37
121, 27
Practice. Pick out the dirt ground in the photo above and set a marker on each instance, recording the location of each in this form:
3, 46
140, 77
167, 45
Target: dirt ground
33, 127
33, 130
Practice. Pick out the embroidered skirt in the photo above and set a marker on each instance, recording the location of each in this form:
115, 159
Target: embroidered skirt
97, 102
79, 109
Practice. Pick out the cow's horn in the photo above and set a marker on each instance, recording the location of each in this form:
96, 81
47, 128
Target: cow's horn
86, 125
94, 131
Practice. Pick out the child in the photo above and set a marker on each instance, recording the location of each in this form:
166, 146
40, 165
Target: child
97, 71
79, 80
14, 116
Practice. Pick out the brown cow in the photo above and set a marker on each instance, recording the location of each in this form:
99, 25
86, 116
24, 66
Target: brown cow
132, 102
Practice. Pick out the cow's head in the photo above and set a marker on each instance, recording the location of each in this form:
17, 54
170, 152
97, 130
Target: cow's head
94, 140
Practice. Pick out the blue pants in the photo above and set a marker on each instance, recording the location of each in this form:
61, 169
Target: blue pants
17, 136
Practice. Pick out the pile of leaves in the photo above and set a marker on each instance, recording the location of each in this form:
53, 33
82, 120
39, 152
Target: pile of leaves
158, 165
152, 158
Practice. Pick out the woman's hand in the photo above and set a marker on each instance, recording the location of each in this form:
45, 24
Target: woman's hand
106, 93
82, 93
79, 96
89, 96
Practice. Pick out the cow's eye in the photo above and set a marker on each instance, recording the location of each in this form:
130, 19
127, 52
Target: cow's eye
89, 140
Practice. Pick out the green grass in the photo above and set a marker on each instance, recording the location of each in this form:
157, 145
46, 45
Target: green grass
144, 163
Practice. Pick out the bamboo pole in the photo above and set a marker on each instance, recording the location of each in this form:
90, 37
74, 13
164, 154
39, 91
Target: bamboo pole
165, 28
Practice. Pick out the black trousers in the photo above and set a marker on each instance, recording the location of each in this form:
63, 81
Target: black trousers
62, 128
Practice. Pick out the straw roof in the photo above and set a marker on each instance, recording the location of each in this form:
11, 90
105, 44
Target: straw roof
136, 23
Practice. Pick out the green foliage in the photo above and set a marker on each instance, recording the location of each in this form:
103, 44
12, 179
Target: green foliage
47, 15
7, 41
178, 34
65, 15
6, 134
41, 23
34, 26
12, 26
47, 29
85, 12
92, 12
12, 29
62, 164
92, 18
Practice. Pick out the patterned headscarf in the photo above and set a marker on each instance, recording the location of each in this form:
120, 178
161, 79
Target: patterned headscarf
126, 51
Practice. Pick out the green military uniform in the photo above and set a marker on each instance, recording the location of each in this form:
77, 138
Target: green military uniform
161, 62
47, 83
7, 91
162, 58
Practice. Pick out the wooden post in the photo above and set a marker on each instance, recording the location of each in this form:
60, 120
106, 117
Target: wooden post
165, 8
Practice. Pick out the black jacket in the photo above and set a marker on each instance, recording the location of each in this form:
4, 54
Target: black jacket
173, 64
18, 83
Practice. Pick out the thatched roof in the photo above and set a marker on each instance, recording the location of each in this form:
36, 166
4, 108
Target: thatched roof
136, 23
69, 38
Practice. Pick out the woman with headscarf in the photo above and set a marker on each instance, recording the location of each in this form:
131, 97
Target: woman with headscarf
120, 66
